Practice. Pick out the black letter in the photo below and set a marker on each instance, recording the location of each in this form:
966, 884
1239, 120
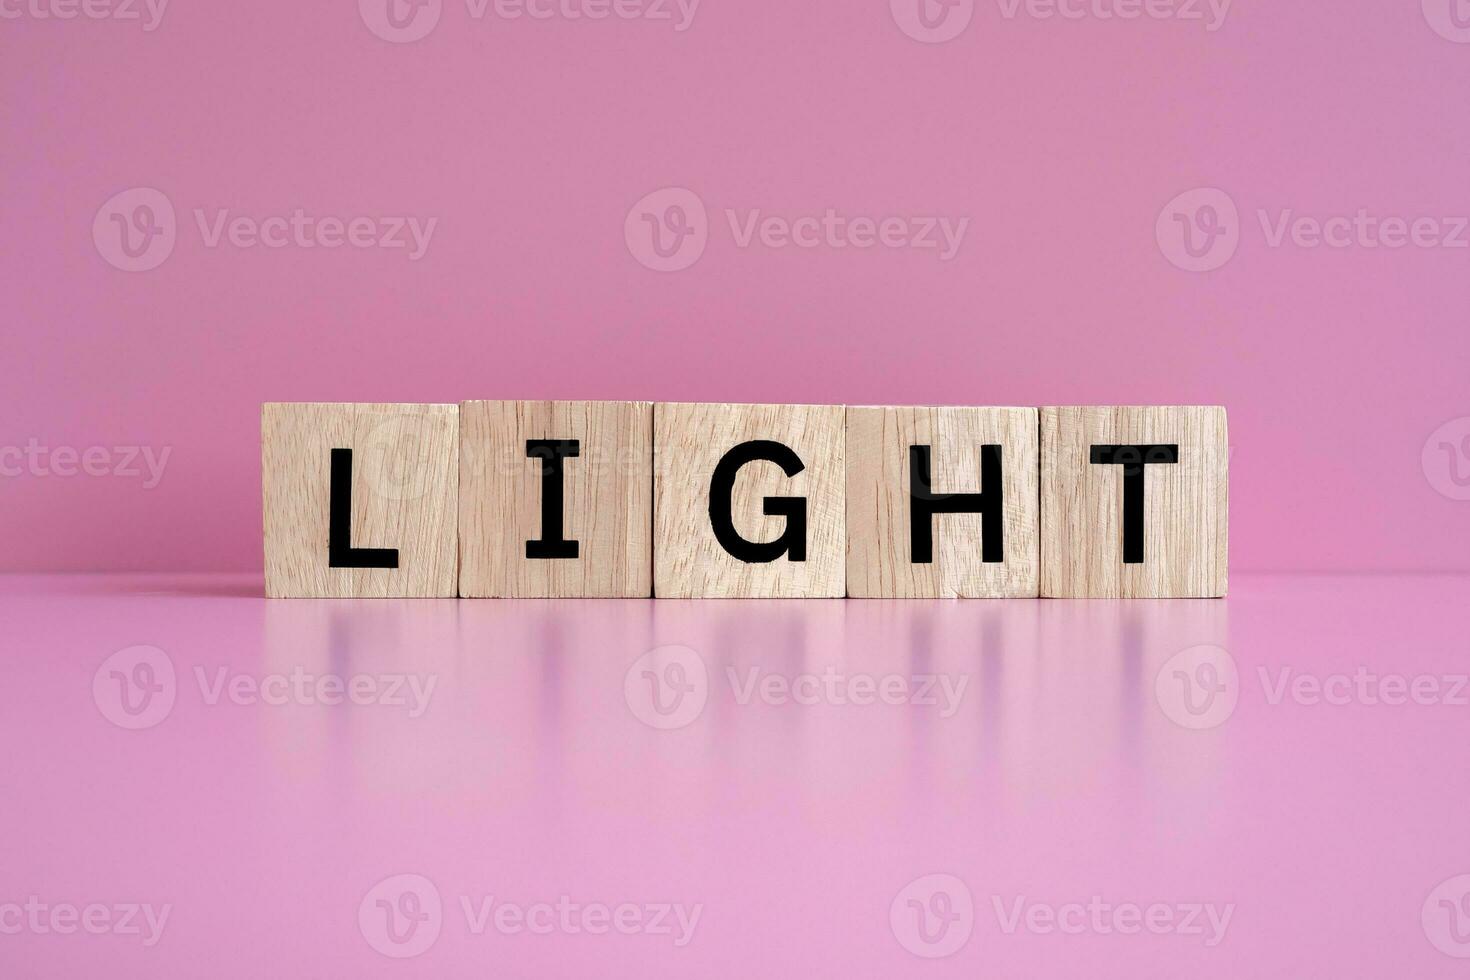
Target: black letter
551, 452
792, 541
924, 503
340, 553
1133, 459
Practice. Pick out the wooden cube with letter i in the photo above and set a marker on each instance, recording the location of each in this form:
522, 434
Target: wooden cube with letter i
556, 499
1134, 502
360, 499
748, 501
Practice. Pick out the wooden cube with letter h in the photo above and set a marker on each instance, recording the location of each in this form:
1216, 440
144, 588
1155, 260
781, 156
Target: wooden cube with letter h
942, 502
748, 501
360, 499
1134, 502
556, 499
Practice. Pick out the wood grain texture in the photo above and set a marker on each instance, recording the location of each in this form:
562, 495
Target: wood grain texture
879, 556
1185, 504
689, 440
607, 506
405, 479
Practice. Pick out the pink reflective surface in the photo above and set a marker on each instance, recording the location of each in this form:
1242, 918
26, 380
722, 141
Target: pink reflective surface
1036, 788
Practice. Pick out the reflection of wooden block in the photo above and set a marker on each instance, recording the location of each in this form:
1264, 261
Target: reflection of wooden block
360, 500
692, 541
1118, 518
962, 551
510, 452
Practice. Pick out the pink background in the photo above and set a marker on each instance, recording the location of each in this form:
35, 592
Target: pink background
530, 141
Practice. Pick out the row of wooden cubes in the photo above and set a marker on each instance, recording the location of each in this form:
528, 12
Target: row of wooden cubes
632, 499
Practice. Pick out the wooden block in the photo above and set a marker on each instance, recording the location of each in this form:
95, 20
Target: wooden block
977, 537
556, 499
748, 478
360, 500
1133, 502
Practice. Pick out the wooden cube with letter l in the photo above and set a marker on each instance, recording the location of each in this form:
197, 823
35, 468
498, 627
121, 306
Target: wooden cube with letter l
360, 499
556, 499
1134, 502
942, 502
748, 501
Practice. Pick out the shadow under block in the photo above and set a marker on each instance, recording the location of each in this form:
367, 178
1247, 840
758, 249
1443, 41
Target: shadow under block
697, 446
1134, 524
965, 560
506, 547
366, 485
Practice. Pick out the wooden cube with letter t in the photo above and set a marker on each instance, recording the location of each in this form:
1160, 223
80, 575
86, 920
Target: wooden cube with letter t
556, 499
748, 501
359, 499
1133, 502
942, 502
